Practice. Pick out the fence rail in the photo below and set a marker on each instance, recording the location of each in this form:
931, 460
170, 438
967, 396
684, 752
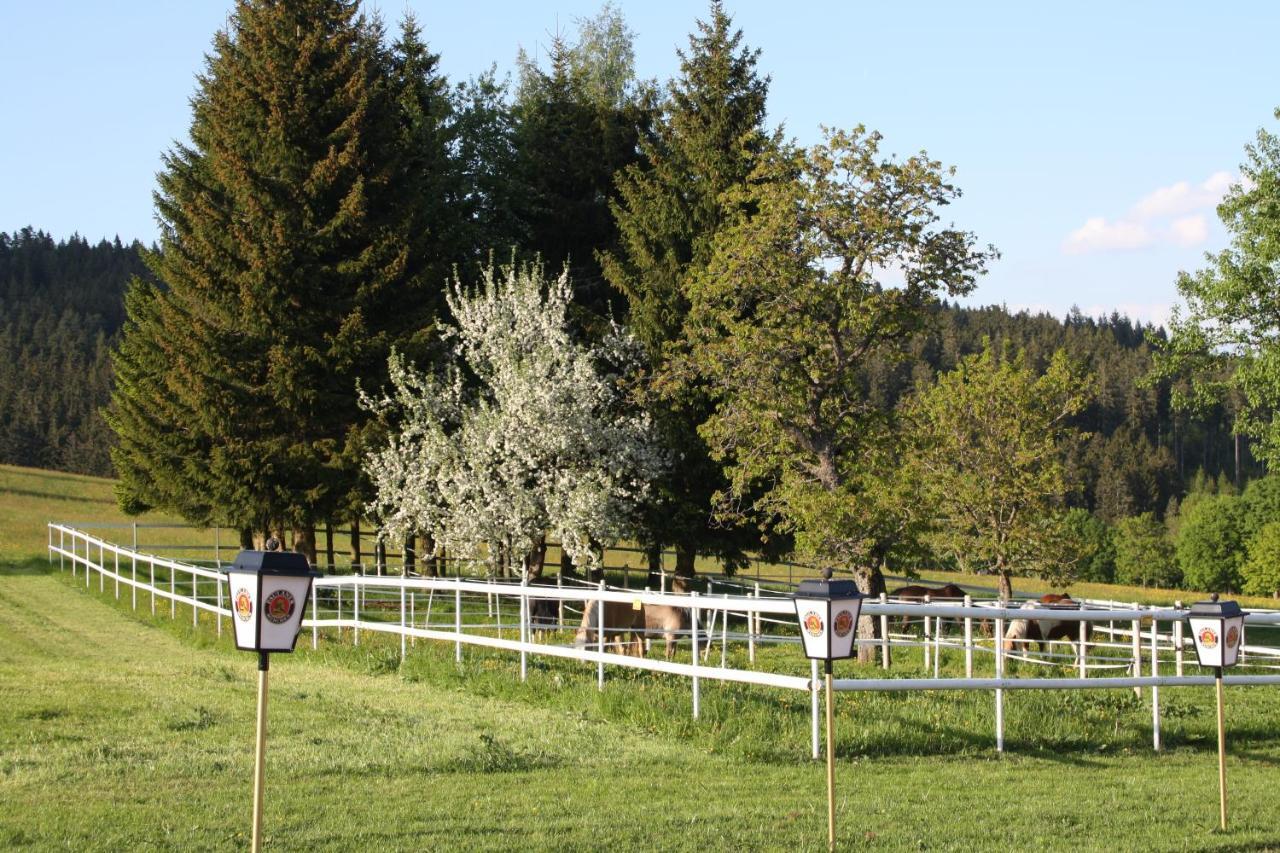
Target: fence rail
470, 612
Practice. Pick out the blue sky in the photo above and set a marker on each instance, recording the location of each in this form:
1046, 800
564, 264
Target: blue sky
1091, 140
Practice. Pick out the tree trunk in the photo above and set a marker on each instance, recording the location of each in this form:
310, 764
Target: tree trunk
685, 557
304, 542
537, 559
246, 539
870, 581
431, 565
356, 563
328, 545
410, 559
654, 553
567, 569
1006, 585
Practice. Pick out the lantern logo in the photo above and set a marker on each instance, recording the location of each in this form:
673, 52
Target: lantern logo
278, 607
244, 605
813, 624
1208, 639
843, 624
1233, 637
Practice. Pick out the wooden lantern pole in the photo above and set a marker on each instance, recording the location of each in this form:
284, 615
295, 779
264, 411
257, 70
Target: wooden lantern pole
259, 763
831, 766
1222, 755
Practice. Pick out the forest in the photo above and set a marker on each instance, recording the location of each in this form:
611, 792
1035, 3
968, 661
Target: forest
306, 240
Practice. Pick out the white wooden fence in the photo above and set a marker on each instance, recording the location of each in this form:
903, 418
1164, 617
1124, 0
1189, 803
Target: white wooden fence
403, 606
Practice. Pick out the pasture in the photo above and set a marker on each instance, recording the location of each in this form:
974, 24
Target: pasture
120, 730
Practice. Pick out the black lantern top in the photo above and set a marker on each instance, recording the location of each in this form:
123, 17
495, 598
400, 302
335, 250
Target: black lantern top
814, 588
1216, 609
273, 563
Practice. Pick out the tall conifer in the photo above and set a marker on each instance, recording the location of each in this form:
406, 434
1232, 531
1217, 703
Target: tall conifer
291, 260
669, 208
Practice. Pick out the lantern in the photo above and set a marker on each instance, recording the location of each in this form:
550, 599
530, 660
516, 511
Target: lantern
1217, 627
827, 611
269, 592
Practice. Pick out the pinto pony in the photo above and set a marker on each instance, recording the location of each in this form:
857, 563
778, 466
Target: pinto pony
1042, 631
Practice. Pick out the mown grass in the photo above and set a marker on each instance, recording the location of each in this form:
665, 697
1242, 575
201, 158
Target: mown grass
123, 731
120, 731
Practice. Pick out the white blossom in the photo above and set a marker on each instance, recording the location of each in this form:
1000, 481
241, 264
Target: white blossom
542, 440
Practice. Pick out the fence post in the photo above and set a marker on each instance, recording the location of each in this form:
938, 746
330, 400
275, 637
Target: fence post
219, 595
151, 561
1155, 689
693, 621
884, 638
925, 635
1082, 653
62, 552
968, 640
315, 617
753, 624
813, 702
999, 692
116, 554
724, 633
173, 593
195, 599
1177, 642
559, 602
355, 612
937, 646
524, 624
457, 618
338, 617
133, 566
413, 617
600, 638
1137, 651
403, 626
217, 546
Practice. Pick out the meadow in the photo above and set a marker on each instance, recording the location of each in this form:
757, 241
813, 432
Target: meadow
123, 731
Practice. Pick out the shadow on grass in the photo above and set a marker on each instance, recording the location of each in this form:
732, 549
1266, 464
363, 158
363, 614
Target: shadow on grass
29, 566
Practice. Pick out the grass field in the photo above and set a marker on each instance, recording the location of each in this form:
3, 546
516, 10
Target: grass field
118, 731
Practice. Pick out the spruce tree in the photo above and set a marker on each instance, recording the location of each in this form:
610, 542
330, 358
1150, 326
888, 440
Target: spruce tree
669, 208
291, 261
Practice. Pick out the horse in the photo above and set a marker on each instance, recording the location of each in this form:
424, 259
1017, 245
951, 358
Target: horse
917, 594
544, 613
665, 620
623, 625
1042, 631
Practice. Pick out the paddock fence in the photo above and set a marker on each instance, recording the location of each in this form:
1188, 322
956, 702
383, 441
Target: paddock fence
1115, 645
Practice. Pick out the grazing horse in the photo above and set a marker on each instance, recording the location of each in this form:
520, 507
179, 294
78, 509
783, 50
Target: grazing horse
623, 625
665, 620
1042, 631
544, 613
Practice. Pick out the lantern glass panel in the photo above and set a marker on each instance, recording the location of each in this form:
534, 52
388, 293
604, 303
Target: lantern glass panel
814, 616
245, 608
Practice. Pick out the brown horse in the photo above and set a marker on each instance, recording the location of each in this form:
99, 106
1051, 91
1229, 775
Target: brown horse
1042, 631
949, 593
623, 626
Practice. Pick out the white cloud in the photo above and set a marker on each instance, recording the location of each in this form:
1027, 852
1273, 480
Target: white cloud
1097, 234
1190, 230
1176, 214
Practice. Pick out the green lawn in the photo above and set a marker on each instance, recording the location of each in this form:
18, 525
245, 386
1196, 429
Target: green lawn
118, 731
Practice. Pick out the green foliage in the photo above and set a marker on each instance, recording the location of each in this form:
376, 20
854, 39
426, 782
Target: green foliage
1210, 546
1261, 504
1226, 341
989, 441
1091, 546
788, 318
298, 246
669, 208
1144, 554
1261, 568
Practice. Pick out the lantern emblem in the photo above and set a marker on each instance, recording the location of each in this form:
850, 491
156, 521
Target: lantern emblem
244, 605
279, 607
843, 624
813, 624
1233, 637
1208, 638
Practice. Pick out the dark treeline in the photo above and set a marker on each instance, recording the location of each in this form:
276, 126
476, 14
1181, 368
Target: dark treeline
61, 308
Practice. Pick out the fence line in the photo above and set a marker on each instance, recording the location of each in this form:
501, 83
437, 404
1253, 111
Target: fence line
201, 589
